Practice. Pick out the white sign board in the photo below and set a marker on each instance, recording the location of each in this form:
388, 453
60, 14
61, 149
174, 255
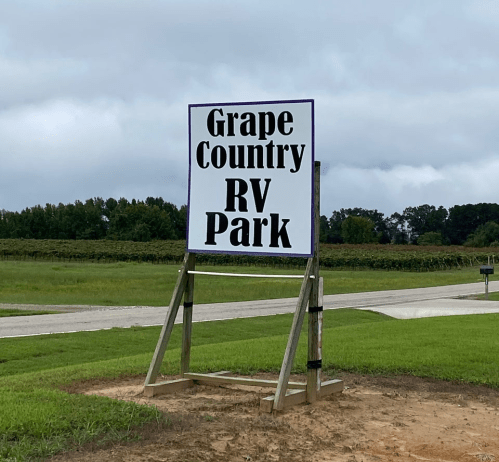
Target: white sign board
251, 178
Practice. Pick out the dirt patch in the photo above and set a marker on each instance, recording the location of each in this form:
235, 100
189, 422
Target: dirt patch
62, 308
374, 419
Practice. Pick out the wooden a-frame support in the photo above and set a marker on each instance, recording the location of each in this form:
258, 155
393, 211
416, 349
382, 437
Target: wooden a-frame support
287, 393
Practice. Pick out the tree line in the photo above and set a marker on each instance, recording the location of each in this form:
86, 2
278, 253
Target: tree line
154, 219
475, 225
97, 219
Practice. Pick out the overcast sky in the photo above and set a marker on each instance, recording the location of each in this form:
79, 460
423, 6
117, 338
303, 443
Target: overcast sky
94, 94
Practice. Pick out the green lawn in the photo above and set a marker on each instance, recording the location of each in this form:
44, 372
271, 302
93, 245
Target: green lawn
20, 355
129, 284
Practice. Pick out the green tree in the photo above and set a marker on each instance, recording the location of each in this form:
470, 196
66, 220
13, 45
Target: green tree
424, 219
357, 230
484, 235
430, 238
331, 230
465, 219
397, 228
334, 232
324, 229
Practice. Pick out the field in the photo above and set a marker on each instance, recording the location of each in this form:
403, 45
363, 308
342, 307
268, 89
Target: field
145, 284
403, 377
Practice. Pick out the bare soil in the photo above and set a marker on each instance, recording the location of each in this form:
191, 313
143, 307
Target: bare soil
374, 419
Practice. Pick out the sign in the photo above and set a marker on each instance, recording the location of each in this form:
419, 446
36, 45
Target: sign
251, 178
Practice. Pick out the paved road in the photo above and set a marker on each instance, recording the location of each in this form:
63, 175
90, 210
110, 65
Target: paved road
401, 304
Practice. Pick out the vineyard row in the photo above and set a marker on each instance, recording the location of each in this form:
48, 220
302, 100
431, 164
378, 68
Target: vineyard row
383, 257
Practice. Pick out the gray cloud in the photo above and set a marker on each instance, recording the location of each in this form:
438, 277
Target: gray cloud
94, 94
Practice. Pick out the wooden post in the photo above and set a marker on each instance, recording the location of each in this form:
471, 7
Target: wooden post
187, 318
315, 305
314, 365
166, 331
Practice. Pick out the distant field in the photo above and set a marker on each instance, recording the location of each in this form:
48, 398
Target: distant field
132, 284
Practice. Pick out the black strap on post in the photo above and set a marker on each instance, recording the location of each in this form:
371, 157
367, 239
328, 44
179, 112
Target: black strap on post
317, 364
188, 304
315, 309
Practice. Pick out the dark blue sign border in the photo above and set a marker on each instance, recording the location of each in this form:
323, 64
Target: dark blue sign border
242, 252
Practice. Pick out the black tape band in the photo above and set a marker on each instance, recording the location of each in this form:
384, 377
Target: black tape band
315, 309
317, 364
188, 304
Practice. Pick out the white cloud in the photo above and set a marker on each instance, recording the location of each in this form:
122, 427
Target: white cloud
58, 134
404, 186
366, 129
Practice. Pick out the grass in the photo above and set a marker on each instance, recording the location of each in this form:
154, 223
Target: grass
131, 284
42, 422
461, 348
38, 419
46, 352
451, 348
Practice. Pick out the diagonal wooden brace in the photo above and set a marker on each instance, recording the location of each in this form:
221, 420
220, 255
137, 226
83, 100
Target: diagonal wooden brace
294, 336
166, 331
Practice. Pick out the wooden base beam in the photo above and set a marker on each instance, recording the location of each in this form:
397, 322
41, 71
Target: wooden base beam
331, 386
294, 397
172, 386
211, 379
162, 388
291, 398
296, 393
